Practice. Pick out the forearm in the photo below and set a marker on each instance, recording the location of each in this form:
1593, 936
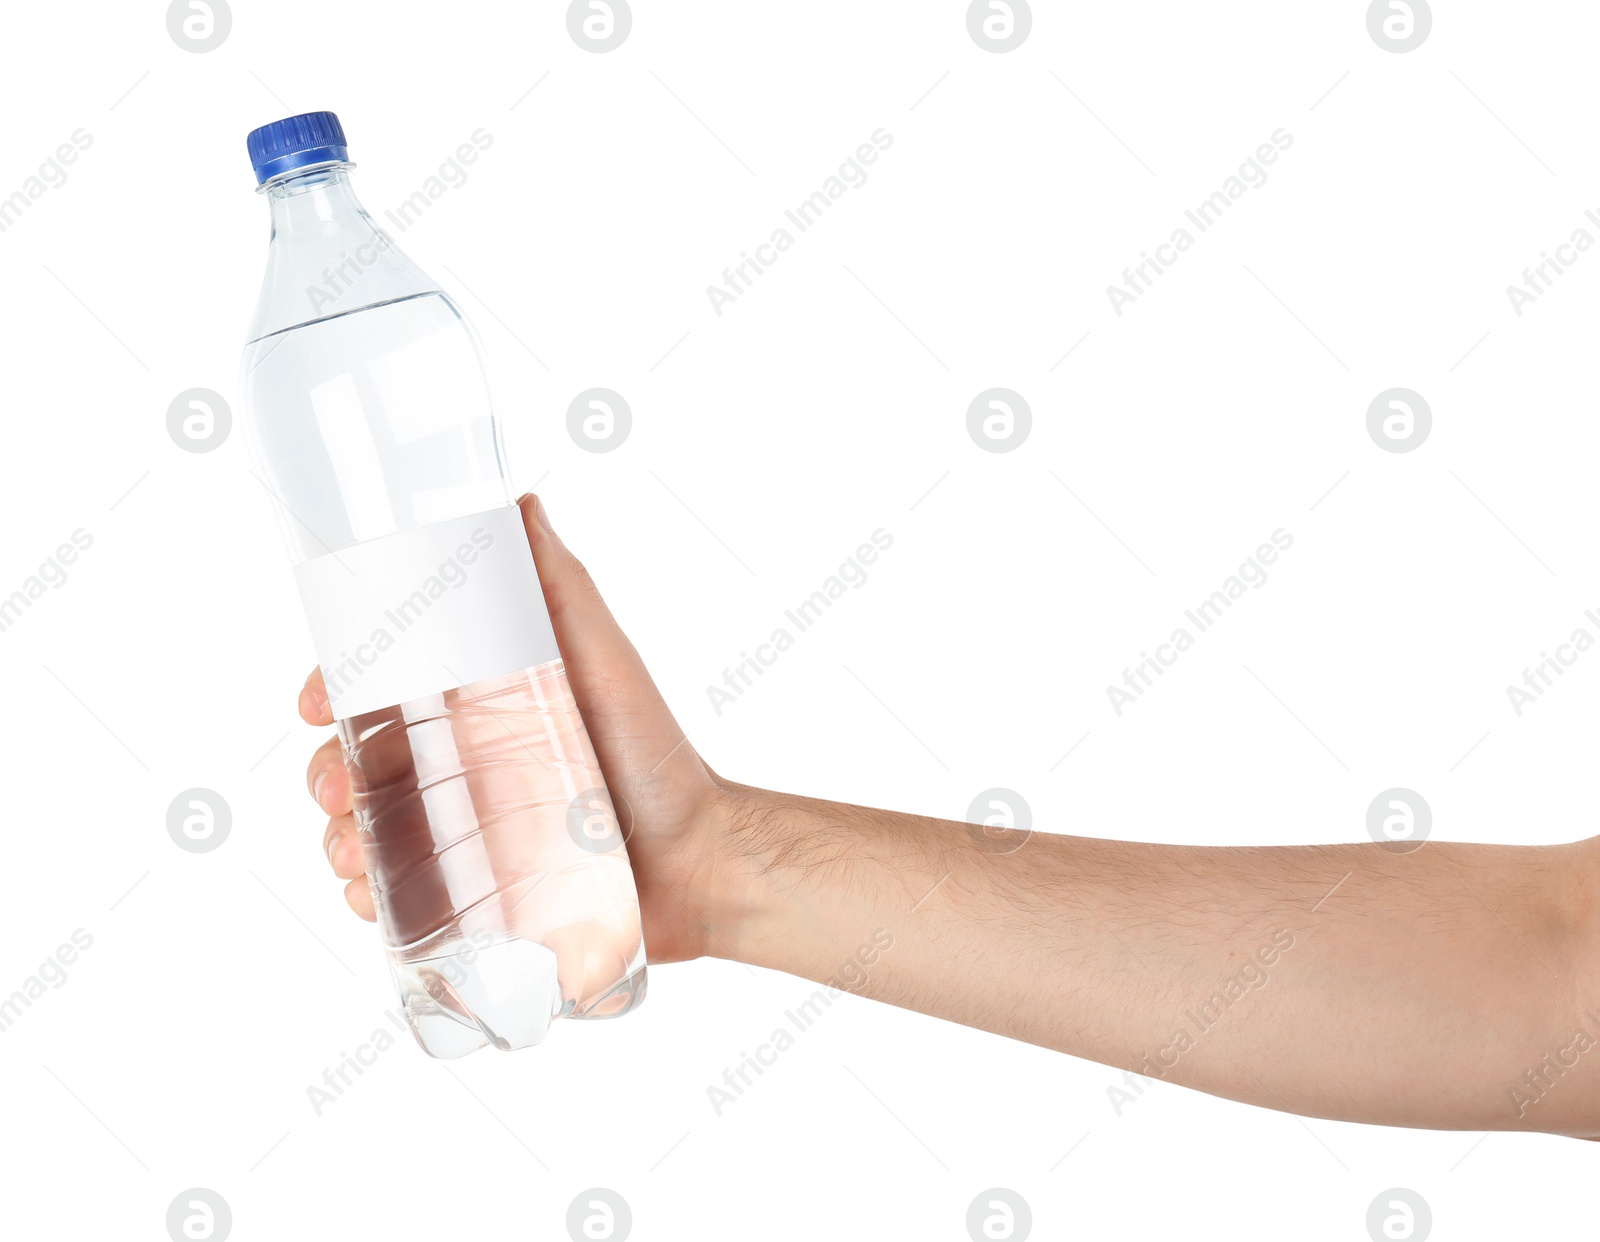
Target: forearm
1340, 981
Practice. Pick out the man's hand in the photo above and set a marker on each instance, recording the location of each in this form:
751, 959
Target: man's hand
672, 807
1452, 987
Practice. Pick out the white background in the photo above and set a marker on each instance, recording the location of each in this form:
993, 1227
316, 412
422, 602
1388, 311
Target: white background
824, 404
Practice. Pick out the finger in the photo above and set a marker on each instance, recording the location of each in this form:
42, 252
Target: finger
359, 895
313, 705
328, 779
342, 844
618, 697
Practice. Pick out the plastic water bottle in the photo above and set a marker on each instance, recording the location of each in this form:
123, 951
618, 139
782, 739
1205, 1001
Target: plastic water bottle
496, 859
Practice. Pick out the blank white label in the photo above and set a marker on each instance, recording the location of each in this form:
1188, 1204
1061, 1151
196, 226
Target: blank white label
424, 611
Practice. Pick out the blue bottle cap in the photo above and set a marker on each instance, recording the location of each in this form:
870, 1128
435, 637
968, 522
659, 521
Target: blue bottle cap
296, 142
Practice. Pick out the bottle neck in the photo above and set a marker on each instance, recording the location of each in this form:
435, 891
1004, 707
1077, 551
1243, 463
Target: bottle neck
314, 200
328, 257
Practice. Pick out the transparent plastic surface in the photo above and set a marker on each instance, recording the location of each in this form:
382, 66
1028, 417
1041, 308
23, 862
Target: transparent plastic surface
501, 881
373, 422
497, 863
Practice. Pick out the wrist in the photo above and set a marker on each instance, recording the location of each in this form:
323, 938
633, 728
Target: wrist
801, 884
745, 852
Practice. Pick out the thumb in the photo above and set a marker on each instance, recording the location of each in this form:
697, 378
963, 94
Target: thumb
620, 703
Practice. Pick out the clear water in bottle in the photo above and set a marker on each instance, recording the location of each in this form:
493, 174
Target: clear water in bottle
496, 859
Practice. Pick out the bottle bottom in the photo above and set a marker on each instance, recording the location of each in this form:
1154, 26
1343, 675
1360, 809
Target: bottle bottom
504, 995
497, 863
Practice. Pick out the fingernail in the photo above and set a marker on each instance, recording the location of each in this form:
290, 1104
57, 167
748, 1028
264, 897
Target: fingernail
333, 845
316, 788
542, 516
